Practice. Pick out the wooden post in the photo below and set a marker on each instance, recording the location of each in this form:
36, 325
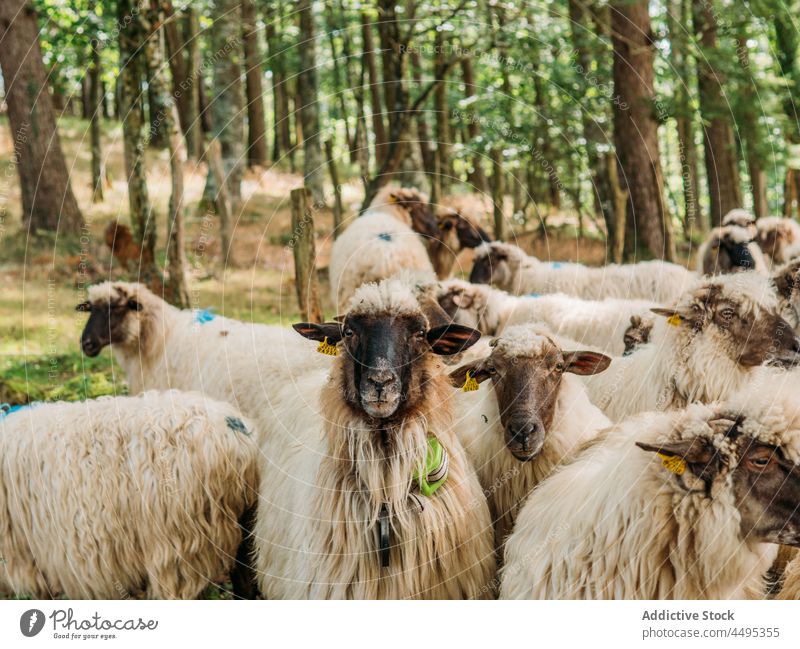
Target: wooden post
305, 268
337, 189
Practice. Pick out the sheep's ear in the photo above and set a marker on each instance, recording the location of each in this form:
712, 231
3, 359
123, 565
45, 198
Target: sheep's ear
134, 305
636, 321
458, 377
699, 457
585, 363
452, 338
313, 331
463, 299
85, 307
339, 318
674, 317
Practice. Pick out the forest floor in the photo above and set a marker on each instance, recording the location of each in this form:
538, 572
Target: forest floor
40, 357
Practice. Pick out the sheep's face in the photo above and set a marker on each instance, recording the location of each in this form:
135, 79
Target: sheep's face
491, 266
463, 305
113, 321
459, 232
637, 334
526, 375
776, 240
729, 252
385, 364
787, 283
765, 485
749, 332
423, 220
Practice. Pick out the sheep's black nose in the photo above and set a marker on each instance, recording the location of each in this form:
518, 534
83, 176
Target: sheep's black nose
381, 379
522, 432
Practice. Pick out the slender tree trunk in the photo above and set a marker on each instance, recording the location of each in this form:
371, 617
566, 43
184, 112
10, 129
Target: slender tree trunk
498, 194
47, 199
132, 70
427, 152
227, 99
787, 40
176, 285
337, 65
282, 142
313, 162
444, 160
194, 128
378, 129
476, 176
636, 129
722, 167
95, 89
256, 120
158, 136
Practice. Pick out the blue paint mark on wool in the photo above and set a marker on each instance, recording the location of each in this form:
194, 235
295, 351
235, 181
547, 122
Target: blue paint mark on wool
385, 236
7, 409
201, 316
555, 264
237, 425
534, 295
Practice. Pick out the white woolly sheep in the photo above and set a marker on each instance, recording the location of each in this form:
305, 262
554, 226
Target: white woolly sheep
160, 347
508, 267
779, 238
716, 334
730, 249
532, 418
700, 520
106, 498
740, 217
349, 506
382, 242
597, 323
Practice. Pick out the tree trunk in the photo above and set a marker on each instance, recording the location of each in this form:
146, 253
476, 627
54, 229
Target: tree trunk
96, 100
256, 120
313, 163
158, 136
787, 41
336, 64
722, 167
444, 161
498, 194
427, 152
305, 273
476, 176
177, 284
374, 82
635, 127
678, 16
282, 142
132, 70
47, 199
338, 209
227, 99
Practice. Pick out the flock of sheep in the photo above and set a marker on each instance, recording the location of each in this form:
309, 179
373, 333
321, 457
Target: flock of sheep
451, 440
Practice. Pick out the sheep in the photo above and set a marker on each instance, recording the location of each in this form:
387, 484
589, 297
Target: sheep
456, 233
596, 323
160, 347
119, 239
106, 498
730, 249
508, 267
343, 512
700, 520
779, 239
382, 242
638, 333
787, 284
713, 338
791, 580
532, 417
740, 217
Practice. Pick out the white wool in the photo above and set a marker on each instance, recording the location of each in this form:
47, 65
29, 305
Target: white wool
376, 245
626, 528
102, 498
600, 324
659, 281
233, 361
679, 365
507, 481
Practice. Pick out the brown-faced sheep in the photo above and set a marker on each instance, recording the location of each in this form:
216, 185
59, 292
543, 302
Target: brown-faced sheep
120, 496
349, 506
779, 239
694, 513
456, 233
508, 267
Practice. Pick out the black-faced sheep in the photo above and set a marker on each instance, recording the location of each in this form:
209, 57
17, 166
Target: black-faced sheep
389, 238
456, 233
717, 333
693, 513
508, 267
349, 504
597, 323
532, 417
121, 496
730, 249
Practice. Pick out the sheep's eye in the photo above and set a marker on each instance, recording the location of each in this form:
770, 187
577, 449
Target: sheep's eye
727, 314
492, 370
696, 308
420, 334
348, 332
560, 367
759, 462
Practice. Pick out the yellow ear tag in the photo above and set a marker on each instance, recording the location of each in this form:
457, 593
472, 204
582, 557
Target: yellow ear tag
673, 463
326, 348
674, 319
470, 385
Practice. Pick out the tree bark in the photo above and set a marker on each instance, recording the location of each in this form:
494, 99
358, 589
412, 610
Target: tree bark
636, 129
177, 283
282, 141
442, 112
313, 163
336, 64
787, 40
305, 274
373, 81
338, 209
498, 194
96, 100
476, 176
256, 120
47, 199
132, 70
722, 167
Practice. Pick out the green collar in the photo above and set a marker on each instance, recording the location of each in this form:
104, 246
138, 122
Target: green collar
437, 464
